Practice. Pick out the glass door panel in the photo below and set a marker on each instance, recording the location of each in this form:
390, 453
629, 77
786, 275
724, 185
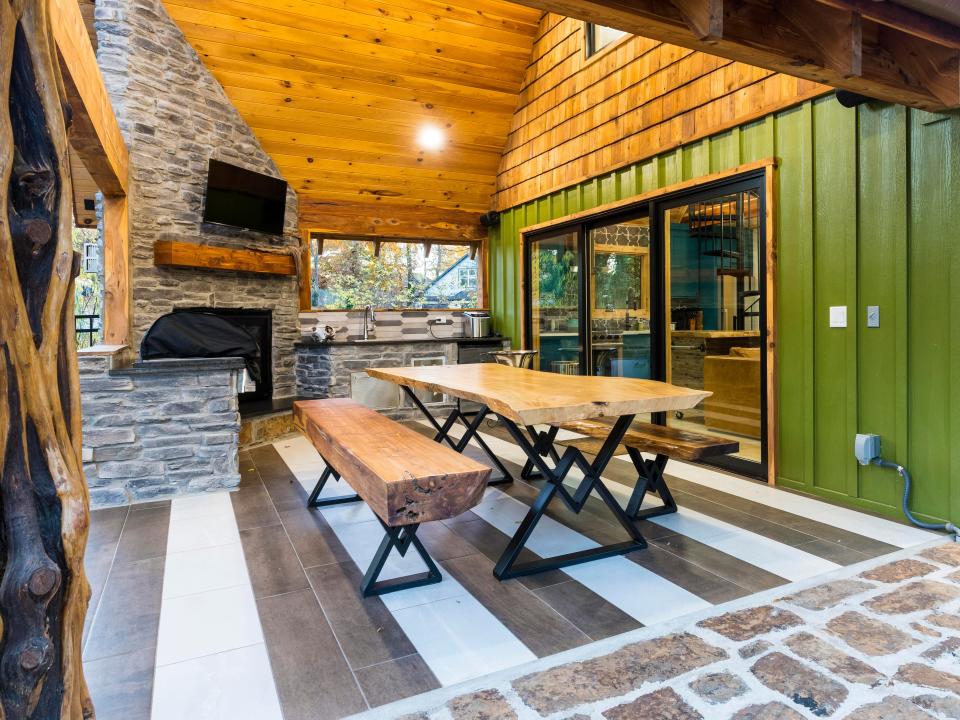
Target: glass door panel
620, 299
555, 328
713, 272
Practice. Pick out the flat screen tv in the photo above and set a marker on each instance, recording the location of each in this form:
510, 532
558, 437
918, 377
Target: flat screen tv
244, 199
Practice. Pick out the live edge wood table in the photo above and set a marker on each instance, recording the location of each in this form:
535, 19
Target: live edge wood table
523, 399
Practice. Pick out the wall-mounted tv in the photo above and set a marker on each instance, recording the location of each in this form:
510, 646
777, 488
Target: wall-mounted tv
244, 199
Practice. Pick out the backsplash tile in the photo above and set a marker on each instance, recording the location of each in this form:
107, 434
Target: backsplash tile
390, 324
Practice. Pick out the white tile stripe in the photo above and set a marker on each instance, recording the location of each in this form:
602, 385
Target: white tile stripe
762, 552
640, 593
212, 661
453, 632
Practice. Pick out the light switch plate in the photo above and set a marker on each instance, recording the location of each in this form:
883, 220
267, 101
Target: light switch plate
873, 316
838, 316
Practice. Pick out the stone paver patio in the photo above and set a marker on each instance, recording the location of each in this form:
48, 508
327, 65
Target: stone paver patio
880, 641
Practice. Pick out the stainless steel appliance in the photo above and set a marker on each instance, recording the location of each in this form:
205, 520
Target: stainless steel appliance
476, 324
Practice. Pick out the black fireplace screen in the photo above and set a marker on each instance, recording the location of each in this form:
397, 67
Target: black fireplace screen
193, 334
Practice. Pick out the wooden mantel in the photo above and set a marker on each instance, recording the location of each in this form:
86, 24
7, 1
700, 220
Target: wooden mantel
173, 253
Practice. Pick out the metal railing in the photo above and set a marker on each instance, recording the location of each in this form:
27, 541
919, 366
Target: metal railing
88, 330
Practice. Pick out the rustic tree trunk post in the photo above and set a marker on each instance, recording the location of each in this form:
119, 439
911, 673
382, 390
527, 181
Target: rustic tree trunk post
44, 502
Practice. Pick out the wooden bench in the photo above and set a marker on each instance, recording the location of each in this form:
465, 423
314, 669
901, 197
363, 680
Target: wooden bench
406, 478
664, 442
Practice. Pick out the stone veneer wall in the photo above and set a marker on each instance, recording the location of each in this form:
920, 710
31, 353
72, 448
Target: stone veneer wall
159, 428
174, 117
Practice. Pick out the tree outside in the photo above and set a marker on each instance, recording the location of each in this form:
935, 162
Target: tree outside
348, 275
88, 295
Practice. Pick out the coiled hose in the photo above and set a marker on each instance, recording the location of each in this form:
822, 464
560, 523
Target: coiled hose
946, 527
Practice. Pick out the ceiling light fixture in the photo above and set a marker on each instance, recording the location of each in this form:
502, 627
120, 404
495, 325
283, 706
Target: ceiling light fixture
431, 137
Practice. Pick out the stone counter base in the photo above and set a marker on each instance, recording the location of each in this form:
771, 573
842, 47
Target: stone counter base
881, 643
158, 429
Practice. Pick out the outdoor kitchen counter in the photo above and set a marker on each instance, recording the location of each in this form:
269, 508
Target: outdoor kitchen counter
338, 368
401, 341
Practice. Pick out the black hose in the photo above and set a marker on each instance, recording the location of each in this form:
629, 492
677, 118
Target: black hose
946, 527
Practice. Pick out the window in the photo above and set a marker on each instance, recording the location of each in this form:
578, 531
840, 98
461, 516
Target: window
599, 36
467, 273
347, 274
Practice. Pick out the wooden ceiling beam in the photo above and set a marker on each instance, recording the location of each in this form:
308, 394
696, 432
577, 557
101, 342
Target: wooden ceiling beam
755, 33
902, 18
703, 17
95, 134
836, 33
390, 222
934, 66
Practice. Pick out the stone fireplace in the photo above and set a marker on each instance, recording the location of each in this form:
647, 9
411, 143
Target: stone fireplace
175, 117
160, 428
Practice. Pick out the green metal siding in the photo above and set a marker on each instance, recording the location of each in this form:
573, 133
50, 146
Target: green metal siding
866, 215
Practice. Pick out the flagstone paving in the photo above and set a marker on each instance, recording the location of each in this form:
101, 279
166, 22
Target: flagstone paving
880, 645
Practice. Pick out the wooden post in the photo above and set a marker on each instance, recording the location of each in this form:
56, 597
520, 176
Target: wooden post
116, 270
306, 271
44, 502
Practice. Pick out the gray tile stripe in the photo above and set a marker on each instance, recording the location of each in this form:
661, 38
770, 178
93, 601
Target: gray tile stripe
531, 618
333, 652
120, 648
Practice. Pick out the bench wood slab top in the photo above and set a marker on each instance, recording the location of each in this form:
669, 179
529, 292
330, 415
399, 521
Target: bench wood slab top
531, 397
656, 439
403, 476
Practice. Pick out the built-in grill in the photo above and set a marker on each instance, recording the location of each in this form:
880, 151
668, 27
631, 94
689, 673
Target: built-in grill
218, 332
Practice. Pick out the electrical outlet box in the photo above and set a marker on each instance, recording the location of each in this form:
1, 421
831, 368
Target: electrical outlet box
440, 321
867, 448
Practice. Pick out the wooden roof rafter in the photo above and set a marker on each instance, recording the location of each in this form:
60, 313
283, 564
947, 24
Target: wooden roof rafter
890, 53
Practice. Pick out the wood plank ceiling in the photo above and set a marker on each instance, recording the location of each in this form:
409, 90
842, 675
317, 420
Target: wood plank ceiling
337, 90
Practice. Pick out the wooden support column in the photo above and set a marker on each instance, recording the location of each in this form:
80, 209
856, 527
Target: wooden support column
116, 271
44, 502
306, 270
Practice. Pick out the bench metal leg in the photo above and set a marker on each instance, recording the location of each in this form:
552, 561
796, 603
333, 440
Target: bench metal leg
401, 538
650, 480
314, 501
472, 432
507, 566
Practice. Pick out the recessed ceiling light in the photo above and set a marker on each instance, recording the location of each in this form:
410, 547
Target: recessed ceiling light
431, 137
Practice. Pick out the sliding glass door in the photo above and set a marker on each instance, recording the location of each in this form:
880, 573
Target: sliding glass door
619, 307
674, 290
554, 307
714, 315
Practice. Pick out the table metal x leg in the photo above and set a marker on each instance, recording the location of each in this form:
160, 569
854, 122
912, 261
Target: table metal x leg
543, 442
650, 479
507, 566
471, 432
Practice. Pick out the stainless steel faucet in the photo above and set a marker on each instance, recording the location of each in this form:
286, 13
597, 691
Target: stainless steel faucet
368, 313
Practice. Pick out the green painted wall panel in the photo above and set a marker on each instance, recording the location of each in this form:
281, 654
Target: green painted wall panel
931, 303
865, 215
881, 263
834, 283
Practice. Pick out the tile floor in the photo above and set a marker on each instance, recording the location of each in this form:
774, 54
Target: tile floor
246, 605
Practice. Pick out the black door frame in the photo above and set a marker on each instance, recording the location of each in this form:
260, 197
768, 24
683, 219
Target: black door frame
653, 208
658, 304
